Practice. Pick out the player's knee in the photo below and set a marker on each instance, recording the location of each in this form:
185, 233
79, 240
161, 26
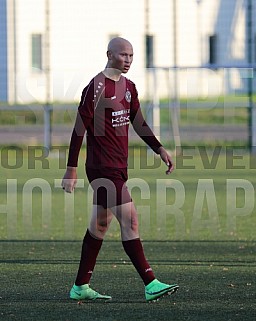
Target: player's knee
102, 225
130, 230
130, 225
102, 229
134, 225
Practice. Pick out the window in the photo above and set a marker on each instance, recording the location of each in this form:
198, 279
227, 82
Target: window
36, 46
213, 49
149, 44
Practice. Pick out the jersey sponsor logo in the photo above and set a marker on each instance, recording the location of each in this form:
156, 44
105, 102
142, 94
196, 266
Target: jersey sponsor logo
120, 118
120, 112
128, 96
120, 121
120, 124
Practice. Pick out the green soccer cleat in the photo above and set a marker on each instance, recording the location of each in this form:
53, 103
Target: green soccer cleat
84, 292
156, 289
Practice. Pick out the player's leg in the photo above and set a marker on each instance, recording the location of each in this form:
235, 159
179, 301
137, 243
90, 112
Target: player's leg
128, 219
100, 221
92, 242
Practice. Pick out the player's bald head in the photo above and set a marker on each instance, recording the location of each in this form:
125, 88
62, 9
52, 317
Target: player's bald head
120, 55
118, 43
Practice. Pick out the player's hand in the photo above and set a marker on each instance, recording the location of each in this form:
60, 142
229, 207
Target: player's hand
166, 157
69, 180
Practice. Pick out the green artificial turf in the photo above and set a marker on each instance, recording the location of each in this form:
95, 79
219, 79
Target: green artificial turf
198, 227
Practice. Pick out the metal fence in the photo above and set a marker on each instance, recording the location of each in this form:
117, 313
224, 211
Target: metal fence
183, 105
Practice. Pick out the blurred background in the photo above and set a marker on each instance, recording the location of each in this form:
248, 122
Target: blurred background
194, 66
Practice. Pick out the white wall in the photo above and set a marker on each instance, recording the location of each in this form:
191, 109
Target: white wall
80, 31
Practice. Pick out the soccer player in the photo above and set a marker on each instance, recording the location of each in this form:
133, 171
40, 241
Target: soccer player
108, 104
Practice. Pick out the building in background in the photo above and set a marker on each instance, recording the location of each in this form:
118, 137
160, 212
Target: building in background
206, 33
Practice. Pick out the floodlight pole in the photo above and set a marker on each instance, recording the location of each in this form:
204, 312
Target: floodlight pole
175, 105
252, 111
47, 106
146, 18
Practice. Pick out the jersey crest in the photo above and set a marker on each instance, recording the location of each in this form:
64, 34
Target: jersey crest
128, 96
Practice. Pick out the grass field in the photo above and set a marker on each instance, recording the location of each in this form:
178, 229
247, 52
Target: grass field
198, 227
217, 282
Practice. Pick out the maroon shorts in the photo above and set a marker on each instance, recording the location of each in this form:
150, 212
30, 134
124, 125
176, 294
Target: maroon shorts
109, 186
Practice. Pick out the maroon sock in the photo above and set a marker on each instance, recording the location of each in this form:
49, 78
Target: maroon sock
134, 250
90, 249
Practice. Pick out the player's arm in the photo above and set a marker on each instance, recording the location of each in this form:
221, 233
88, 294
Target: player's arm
143, 130
83, 120
70, 177
166, 157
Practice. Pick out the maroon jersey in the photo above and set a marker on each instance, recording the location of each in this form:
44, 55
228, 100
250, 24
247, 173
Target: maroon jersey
105, 111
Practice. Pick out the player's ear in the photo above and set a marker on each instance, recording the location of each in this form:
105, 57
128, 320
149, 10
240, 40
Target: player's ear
109, 54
